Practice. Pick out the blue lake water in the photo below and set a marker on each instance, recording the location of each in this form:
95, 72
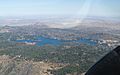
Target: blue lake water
40, 41
87, 41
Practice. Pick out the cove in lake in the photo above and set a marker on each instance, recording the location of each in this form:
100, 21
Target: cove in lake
40, 41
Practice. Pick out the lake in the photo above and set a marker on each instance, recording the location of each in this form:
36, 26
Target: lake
40, 41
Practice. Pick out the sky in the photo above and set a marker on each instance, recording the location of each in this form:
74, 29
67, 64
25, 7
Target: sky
107, 8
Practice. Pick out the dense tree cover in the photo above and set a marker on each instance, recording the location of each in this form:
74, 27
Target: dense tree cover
83, 55
70, 69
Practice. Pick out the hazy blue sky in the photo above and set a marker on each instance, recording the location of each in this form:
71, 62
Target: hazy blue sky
109, 8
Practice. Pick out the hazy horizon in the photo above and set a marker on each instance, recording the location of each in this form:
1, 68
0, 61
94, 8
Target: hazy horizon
101, 8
